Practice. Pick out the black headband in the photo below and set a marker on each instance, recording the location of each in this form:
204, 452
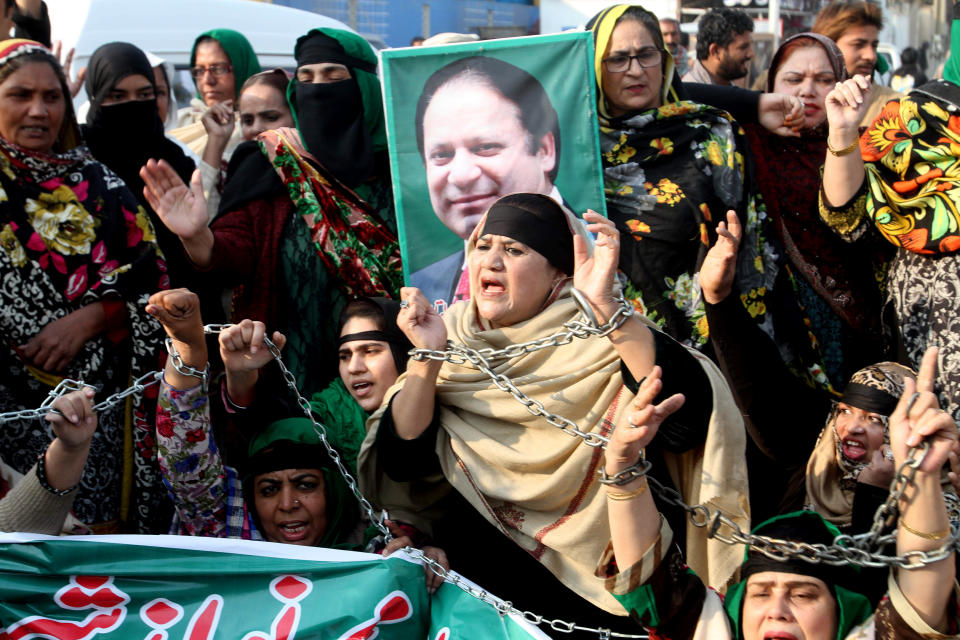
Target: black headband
538, 222
869, 399
318, 47
758, 563
367, 335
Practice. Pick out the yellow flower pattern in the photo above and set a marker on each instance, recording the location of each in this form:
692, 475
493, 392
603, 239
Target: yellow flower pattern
666, 191
62, 222
664, 145
12, 246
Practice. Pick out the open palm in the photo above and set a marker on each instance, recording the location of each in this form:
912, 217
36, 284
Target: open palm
182, 209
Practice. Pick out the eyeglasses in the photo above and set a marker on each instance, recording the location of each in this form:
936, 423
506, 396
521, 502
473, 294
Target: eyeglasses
648, 57
216, 69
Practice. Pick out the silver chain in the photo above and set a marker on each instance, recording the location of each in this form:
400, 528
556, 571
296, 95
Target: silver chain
860, 549
504, 607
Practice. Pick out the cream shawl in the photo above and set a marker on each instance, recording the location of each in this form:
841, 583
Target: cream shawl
539, 485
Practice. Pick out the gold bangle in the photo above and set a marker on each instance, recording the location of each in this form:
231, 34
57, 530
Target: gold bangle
845, 151
939, 535
629, 495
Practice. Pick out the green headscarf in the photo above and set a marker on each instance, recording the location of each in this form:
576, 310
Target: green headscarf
368, 82
292, 443
238, 49
852, 608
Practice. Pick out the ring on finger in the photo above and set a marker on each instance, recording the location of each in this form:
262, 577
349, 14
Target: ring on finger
404, 304
633, 425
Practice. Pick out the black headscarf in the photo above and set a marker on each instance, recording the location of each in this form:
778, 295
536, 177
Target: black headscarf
124, 136
538, 222
330, 115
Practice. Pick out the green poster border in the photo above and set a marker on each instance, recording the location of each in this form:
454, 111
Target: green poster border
479, 48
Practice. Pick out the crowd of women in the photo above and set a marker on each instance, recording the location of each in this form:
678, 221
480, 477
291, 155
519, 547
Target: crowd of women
773, 291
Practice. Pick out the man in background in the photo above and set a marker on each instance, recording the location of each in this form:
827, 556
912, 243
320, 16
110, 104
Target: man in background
670, 28
855, 27
724, 47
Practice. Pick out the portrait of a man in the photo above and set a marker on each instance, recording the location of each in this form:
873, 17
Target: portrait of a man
485, 129
470, 123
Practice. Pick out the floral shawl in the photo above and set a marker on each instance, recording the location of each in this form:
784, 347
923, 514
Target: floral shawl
71, 235
912, 158
350, 238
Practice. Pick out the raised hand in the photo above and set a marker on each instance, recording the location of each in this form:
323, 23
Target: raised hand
182, 209
880, 471
594, 275
845, 107
419, 321
73, 84
780, 114
242, 347
720, 264
219, 120
918, 417
178, 310
641, 423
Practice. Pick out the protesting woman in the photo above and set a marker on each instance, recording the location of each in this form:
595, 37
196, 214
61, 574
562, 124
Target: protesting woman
77, 258
501, 487
791, 597
836, 282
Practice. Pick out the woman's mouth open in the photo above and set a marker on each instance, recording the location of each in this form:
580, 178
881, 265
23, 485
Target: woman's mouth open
293, 531
853, 449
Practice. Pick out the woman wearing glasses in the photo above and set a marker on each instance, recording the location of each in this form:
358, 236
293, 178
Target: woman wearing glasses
221, 61
670, 166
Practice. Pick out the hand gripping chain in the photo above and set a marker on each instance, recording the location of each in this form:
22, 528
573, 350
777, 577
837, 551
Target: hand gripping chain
860, 549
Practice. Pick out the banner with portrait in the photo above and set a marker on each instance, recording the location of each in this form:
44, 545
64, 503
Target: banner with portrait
468, 123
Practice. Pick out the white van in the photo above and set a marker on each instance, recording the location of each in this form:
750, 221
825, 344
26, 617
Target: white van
169, 27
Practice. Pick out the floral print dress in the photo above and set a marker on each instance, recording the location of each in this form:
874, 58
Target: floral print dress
71, 235
911, 195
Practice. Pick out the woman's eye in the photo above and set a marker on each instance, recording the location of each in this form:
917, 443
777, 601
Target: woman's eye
266, 492
246, 121
307, 485
514, 251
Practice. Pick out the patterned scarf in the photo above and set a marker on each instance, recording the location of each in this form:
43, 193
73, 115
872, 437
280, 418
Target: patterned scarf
912, 158
72, 235
350, 238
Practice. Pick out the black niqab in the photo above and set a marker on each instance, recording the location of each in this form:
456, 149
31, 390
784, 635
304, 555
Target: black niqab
330, 115
124, 136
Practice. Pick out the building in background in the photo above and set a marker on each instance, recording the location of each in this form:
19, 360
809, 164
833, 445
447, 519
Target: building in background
395, 22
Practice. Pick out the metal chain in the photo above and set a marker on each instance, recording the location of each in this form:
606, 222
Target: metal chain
375, 519
505, 607
862, 549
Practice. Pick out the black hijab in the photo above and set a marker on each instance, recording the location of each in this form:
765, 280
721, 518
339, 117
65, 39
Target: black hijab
124, 136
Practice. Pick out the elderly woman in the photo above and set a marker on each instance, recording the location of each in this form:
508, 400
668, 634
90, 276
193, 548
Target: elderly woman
836, 282
792, 598
300, 244
902, 183
77, 257
515, 491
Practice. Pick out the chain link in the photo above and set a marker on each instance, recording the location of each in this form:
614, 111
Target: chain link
505, 607
861, 549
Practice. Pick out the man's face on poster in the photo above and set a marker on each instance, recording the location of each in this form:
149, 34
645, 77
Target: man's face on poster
476, 150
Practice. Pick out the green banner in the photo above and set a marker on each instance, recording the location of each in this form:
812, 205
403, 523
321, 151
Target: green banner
182, 588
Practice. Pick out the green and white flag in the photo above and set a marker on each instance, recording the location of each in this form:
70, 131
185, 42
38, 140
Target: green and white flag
183, 588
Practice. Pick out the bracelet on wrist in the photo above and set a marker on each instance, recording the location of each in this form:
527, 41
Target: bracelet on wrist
839, 153
627, 495
936, 535
42, 478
